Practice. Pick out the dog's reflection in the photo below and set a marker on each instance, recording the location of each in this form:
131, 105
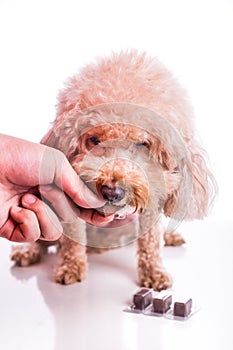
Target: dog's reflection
84, 316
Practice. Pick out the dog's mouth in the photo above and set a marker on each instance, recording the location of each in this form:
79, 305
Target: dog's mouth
121, 200
120, 212
118, 202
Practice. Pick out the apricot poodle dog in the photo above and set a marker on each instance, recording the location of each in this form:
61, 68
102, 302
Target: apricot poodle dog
127, 128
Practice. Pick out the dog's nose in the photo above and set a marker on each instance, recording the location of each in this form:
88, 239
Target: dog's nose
113, 194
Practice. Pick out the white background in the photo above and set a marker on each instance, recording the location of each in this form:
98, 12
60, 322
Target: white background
41, 44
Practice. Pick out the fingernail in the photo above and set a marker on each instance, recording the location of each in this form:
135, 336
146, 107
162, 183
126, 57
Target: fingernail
90, 197
93, 201
29, 199
46, 188
16, 209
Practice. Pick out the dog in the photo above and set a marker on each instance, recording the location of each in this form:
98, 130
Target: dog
127, 128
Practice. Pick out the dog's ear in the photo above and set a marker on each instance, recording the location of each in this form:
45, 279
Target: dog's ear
62, 137
197, 189
50, 139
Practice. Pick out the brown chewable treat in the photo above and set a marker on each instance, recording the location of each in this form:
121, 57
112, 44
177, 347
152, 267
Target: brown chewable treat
183, 309
107, 210
142, 298
162, 304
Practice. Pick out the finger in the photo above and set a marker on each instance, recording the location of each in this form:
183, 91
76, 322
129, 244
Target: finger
122, 222
66, 210
22, 226
50, 226
75, 188
60, 203
94, 218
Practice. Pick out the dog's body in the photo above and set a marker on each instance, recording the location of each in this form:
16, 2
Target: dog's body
127, 129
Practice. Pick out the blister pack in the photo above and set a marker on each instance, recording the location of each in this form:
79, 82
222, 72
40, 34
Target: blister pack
163, 304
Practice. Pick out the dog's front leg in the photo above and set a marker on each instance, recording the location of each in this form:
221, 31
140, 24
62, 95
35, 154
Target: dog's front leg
73, 254
150, 268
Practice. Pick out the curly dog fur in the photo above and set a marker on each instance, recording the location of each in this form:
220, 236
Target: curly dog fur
127, 128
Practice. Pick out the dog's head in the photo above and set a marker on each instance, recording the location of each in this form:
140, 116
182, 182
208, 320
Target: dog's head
139, 153
117, 158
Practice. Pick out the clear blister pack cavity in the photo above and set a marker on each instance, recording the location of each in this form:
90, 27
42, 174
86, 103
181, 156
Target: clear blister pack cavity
186, 312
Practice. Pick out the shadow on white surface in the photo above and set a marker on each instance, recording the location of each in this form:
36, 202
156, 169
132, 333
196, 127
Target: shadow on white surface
37, 313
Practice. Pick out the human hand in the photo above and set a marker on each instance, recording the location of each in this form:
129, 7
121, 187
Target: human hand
27, 170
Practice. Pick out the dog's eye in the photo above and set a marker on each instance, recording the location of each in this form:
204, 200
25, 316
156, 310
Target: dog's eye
94, 140
143, 143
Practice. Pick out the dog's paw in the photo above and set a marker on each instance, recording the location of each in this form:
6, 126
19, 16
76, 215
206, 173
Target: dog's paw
158, 280
26, 254
161, 280
69, 274
173, 239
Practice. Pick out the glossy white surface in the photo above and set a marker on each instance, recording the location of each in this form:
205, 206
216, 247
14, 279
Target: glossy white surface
36, 313
42, 43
